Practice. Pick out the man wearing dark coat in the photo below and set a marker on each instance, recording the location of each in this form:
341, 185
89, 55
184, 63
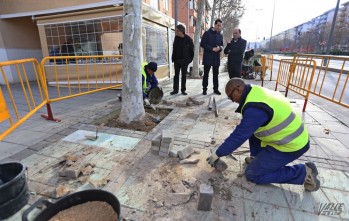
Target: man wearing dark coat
212, 43
235, 51
182, 55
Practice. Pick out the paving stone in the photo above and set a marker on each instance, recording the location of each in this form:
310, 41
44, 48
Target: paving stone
185, 152
41, 145
23, 154
205, 197
163, 154
167, 136
166, 145
156, 141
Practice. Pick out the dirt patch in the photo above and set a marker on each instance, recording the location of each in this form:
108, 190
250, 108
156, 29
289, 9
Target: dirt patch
147, 124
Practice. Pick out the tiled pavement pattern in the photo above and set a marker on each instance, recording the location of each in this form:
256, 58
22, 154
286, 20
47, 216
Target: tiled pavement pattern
151, 187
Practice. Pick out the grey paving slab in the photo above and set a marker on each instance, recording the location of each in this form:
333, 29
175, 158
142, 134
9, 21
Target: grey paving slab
299, 199
26, 137
336, 196
306, 216
255, 210
271, 194
342, 137
333, 179
318, 131
104, 140
316, 151
8, 149
332, 147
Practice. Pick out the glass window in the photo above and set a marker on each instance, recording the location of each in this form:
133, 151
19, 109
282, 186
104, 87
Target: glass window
81, 38
156, 45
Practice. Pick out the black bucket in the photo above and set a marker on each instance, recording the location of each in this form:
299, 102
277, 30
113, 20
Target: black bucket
71, 200
14, 192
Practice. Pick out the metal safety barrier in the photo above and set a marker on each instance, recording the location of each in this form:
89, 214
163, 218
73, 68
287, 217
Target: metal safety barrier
330, 78
72, 76
297, 76
269, 64
320, 75
13, 112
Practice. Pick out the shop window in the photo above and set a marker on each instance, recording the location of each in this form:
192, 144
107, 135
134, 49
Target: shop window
156, 45
85, 38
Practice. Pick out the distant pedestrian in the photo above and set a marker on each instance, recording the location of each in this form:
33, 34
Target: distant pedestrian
212, 43
235, 50
182, 55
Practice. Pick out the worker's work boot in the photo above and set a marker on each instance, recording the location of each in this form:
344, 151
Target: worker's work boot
311, 182
248, 160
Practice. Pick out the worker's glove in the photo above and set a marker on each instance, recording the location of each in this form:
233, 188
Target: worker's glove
212, 159
146, 102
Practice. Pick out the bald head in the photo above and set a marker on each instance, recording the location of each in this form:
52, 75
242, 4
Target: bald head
234, 89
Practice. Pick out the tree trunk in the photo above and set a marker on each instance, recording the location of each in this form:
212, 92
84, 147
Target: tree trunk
132, 108
195, 73
213, 11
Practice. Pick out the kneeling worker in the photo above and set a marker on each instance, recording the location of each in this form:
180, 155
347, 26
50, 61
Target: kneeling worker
149, 80
276, 134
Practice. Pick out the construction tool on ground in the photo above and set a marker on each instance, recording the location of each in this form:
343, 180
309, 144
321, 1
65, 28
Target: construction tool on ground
94, 138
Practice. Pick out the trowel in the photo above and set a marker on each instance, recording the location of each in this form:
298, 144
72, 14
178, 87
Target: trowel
94, 138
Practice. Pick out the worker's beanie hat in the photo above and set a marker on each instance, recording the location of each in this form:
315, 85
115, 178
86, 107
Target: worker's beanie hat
152, 66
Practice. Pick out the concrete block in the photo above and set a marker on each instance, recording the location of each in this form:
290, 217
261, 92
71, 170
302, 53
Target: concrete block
185, 152
167, 136
205, 197
166, 145
163, 154
154, 152
156, 141
155, 148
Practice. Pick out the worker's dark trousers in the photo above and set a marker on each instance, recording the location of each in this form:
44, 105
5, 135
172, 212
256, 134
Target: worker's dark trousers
180, 66
269, 165
215, 70
234, 69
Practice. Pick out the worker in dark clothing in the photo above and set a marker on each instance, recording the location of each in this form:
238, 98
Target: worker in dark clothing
235, 51
149, 79
277, 136
182, 55
212, 43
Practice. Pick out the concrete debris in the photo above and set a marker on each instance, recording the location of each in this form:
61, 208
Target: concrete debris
226, 117
175, 199
190, 182
167, 102
96, 183
194, 101
213, 140
187, 161
62, 190
87, 170
327, 131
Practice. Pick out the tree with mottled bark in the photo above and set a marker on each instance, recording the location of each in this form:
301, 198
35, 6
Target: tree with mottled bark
195, 73
132, 108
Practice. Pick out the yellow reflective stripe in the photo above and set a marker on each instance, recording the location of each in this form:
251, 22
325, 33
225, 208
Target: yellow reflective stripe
291, 137
278, 127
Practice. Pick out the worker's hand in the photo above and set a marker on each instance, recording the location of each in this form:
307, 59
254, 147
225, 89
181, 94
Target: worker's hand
212, 159
146, 102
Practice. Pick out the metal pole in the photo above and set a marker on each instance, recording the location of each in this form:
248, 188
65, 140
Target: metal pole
332, 28
271, 31
176, 13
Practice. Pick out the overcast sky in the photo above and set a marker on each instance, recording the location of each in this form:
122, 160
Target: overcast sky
257, 20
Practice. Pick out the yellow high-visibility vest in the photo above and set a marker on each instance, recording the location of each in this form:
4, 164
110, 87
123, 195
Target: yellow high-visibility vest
285, 131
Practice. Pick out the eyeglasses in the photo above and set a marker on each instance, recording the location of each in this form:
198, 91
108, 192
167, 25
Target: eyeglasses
229, 97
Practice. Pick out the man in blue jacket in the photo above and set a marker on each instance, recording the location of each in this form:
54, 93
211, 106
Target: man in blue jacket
212, 43
235, 51
149, 80
276, 134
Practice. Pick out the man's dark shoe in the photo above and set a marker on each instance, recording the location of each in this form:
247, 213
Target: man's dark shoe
184, 93
217, 92
204, 92
311, 183
174, 92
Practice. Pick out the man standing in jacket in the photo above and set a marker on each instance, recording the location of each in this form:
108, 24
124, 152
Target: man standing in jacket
182, 55
212, 43
235, 51
277, 136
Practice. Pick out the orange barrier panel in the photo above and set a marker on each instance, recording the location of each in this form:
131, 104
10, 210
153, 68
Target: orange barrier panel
297, 76
330, 78
269, 64
34, 93
72, 76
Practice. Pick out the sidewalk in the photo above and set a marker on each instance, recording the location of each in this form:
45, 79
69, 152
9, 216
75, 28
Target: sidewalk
151, 187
